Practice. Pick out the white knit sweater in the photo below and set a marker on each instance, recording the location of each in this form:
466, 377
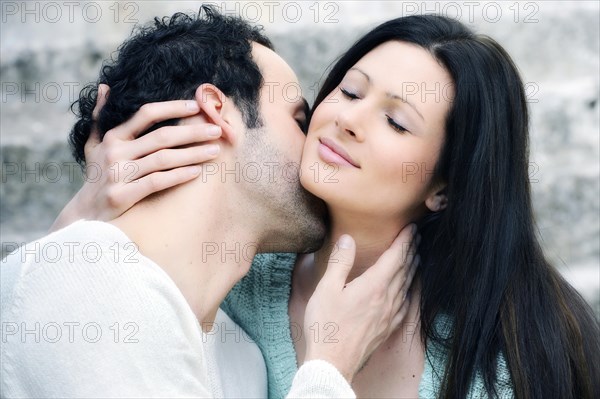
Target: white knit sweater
85, 315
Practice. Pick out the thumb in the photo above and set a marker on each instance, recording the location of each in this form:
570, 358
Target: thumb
340, 262
94, 138
101, 98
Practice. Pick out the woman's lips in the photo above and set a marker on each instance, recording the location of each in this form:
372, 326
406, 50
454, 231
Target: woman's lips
327, 152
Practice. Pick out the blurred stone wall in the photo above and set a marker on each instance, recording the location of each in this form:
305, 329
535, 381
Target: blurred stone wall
50, 50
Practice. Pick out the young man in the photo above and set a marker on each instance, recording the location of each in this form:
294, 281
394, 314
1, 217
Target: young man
127, 308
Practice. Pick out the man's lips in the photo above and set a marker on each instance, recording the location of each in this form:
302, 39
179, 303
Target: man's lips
331, 152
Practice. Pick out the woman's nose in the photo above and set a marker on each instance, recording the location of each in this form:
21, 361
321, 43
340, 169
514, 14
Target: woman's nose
348, 121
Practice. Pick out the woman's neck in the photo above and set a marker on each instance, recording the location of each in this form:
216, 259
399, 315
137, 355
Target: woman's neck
373, 237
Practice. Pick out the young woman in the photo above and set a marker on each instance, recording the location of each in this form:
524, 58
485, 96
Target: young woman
425, 121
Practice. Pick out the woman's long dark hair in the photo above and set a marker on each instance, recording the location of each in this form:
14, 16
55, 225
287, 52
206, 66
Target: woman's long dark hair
482, 263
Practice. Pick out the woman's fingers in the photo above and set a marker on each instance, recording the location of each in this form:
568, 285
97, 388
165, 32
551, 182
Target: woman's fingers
151, 114
129, 194
101, 97
128, 170
171, 137
94, 138
167, 159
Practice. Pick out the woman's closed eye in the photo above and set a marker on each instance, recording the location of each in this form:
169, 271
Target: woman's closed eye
396, 126
348, 94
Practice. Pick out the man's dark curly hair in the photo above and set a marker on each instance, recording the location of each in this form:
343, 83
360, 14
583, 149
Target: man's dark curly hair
168, 60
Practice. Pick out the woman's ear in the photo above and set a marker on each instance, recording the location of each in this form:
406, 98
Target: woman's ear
437, 200
216, 106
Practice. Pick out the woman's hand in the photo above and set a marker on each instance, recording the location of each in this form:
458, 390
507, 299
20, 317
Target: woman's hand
123, 169
364, 312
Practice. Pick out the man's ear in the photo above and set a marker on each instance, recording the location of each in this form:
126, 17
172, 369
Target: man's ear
217, 107
437, 200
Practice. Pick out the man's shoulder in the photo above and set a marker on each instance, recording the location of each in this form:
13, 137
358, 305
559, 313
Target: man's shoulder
83, 240
87, 265
71, 300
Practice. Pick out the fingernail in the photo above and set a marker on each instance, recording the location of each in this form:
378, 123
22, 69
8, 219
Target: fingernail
212, 149
414, 228
345, 241
192, 105
214, 131
195, 170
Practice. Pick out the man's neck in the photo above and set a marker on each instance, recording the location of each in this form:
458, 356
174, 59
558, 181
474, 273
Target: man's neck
197, 239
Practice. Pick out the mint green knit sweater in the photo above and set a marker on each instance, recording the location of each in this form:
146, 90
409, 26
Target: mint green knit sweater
259, 304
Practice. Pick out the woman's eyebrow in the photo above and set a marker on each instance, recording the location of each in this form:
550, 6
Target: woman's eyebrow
397, 97
362, 72
388, 94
